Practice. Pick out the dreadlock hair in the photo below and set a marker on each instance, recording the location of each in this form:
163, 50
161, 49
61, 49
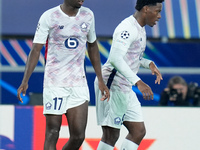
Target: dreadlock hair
141, 3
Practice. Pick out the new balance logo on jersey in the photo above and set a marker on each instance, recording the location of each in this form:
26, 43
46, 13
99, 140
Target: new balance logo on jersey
61, 27
125, 35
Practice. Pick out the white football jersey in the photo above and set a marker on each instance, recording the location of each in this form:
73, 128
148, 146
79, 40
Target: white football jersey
65, 38
128, 36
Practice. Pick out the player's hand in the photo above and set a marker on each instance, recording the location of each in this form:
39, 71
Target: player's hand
104, 91
156, 72
145, 90
22, 89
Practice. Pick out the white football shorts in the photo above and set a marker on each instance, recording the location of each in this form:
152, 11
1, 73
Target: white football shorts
121, 107
57, 100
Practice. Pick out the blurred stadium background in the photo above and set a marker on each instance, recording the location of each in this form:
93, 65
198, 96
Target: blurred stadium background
174, 45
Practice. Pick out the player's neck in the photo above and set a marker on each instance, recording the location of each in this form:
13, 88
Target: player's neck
138, 16
70, 11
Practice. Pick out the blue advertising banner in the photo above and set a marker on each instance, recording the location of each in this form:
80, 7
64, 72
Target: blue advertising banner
177, 55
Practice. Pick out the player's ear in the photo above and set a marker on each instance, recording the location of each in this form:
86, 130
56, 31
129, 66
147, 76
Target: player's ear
145, 8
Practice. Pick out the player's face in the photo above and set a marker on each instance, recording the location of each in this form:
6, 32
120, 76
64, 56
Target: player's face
153, 14
75, 3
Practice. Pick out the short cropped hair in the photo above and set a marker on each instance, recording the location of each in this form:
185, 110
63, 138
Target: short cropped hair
176, 80
141, 3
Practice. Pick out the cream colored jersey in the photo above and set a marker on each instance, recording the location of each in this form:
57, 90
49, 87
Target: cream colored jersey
65, 38
130, 37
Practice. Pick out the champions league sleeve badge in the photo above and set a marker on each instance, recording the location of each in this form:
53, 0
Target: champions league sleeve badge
125, 35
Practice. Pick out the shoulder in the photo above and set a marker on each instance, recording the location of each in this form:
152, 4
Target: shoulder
86, 10
51, 11
127, 25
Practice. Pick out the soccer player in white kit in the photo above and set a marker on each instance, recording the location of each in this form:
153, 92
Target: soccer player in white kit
65, 30
120, 74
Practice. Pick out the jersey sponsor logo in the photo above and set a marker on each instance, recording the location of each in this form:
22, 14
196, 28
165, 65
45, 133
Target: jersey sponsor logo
84, 27
125, 35
71, 43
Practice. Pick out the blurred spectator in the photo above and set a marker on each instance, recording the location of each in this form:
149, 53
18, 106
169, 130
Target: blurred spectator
179, 93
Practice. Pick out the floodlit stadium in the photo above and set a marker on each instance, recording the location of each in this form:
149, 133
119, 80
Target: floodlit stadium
173, 44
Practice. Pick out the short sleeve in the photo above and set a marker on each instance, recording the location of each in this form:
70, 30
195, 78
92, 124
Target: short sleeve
123, 36
42, 30
92, 33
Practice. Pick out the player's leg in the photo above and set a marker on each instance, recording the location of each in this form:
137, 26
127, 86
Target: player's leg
110, 116
77, 120
109, 138
133, 121
53, 123
136, 133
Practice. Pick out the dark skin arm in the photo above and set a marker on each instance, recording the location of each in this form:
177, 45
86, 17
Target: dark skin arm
30, 66
156, 72
94, 56
144, 88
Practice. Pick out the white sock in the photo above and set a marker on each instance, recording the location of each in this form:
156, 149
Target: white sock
129, 145
104, 146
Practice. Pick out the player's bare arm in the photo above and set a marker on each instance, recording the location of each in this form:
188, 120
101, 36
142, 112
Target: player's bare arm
156, 72
30, 66
94, 56
145, 90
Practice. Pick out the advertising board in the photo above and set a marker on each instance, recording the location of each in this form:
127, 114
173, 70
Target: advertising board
168, 128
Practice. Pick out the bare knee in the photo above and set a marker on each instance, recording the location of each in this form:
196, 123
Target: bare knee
137, 131
77, 139
52, 134
136, 136
141, 133
53, 123
110, 135
110, 139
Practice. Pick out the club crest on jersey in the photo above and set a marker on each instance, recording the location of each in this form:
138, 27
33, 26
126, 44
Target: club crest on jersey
48, 106
125, 35
117, 120
84, 27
